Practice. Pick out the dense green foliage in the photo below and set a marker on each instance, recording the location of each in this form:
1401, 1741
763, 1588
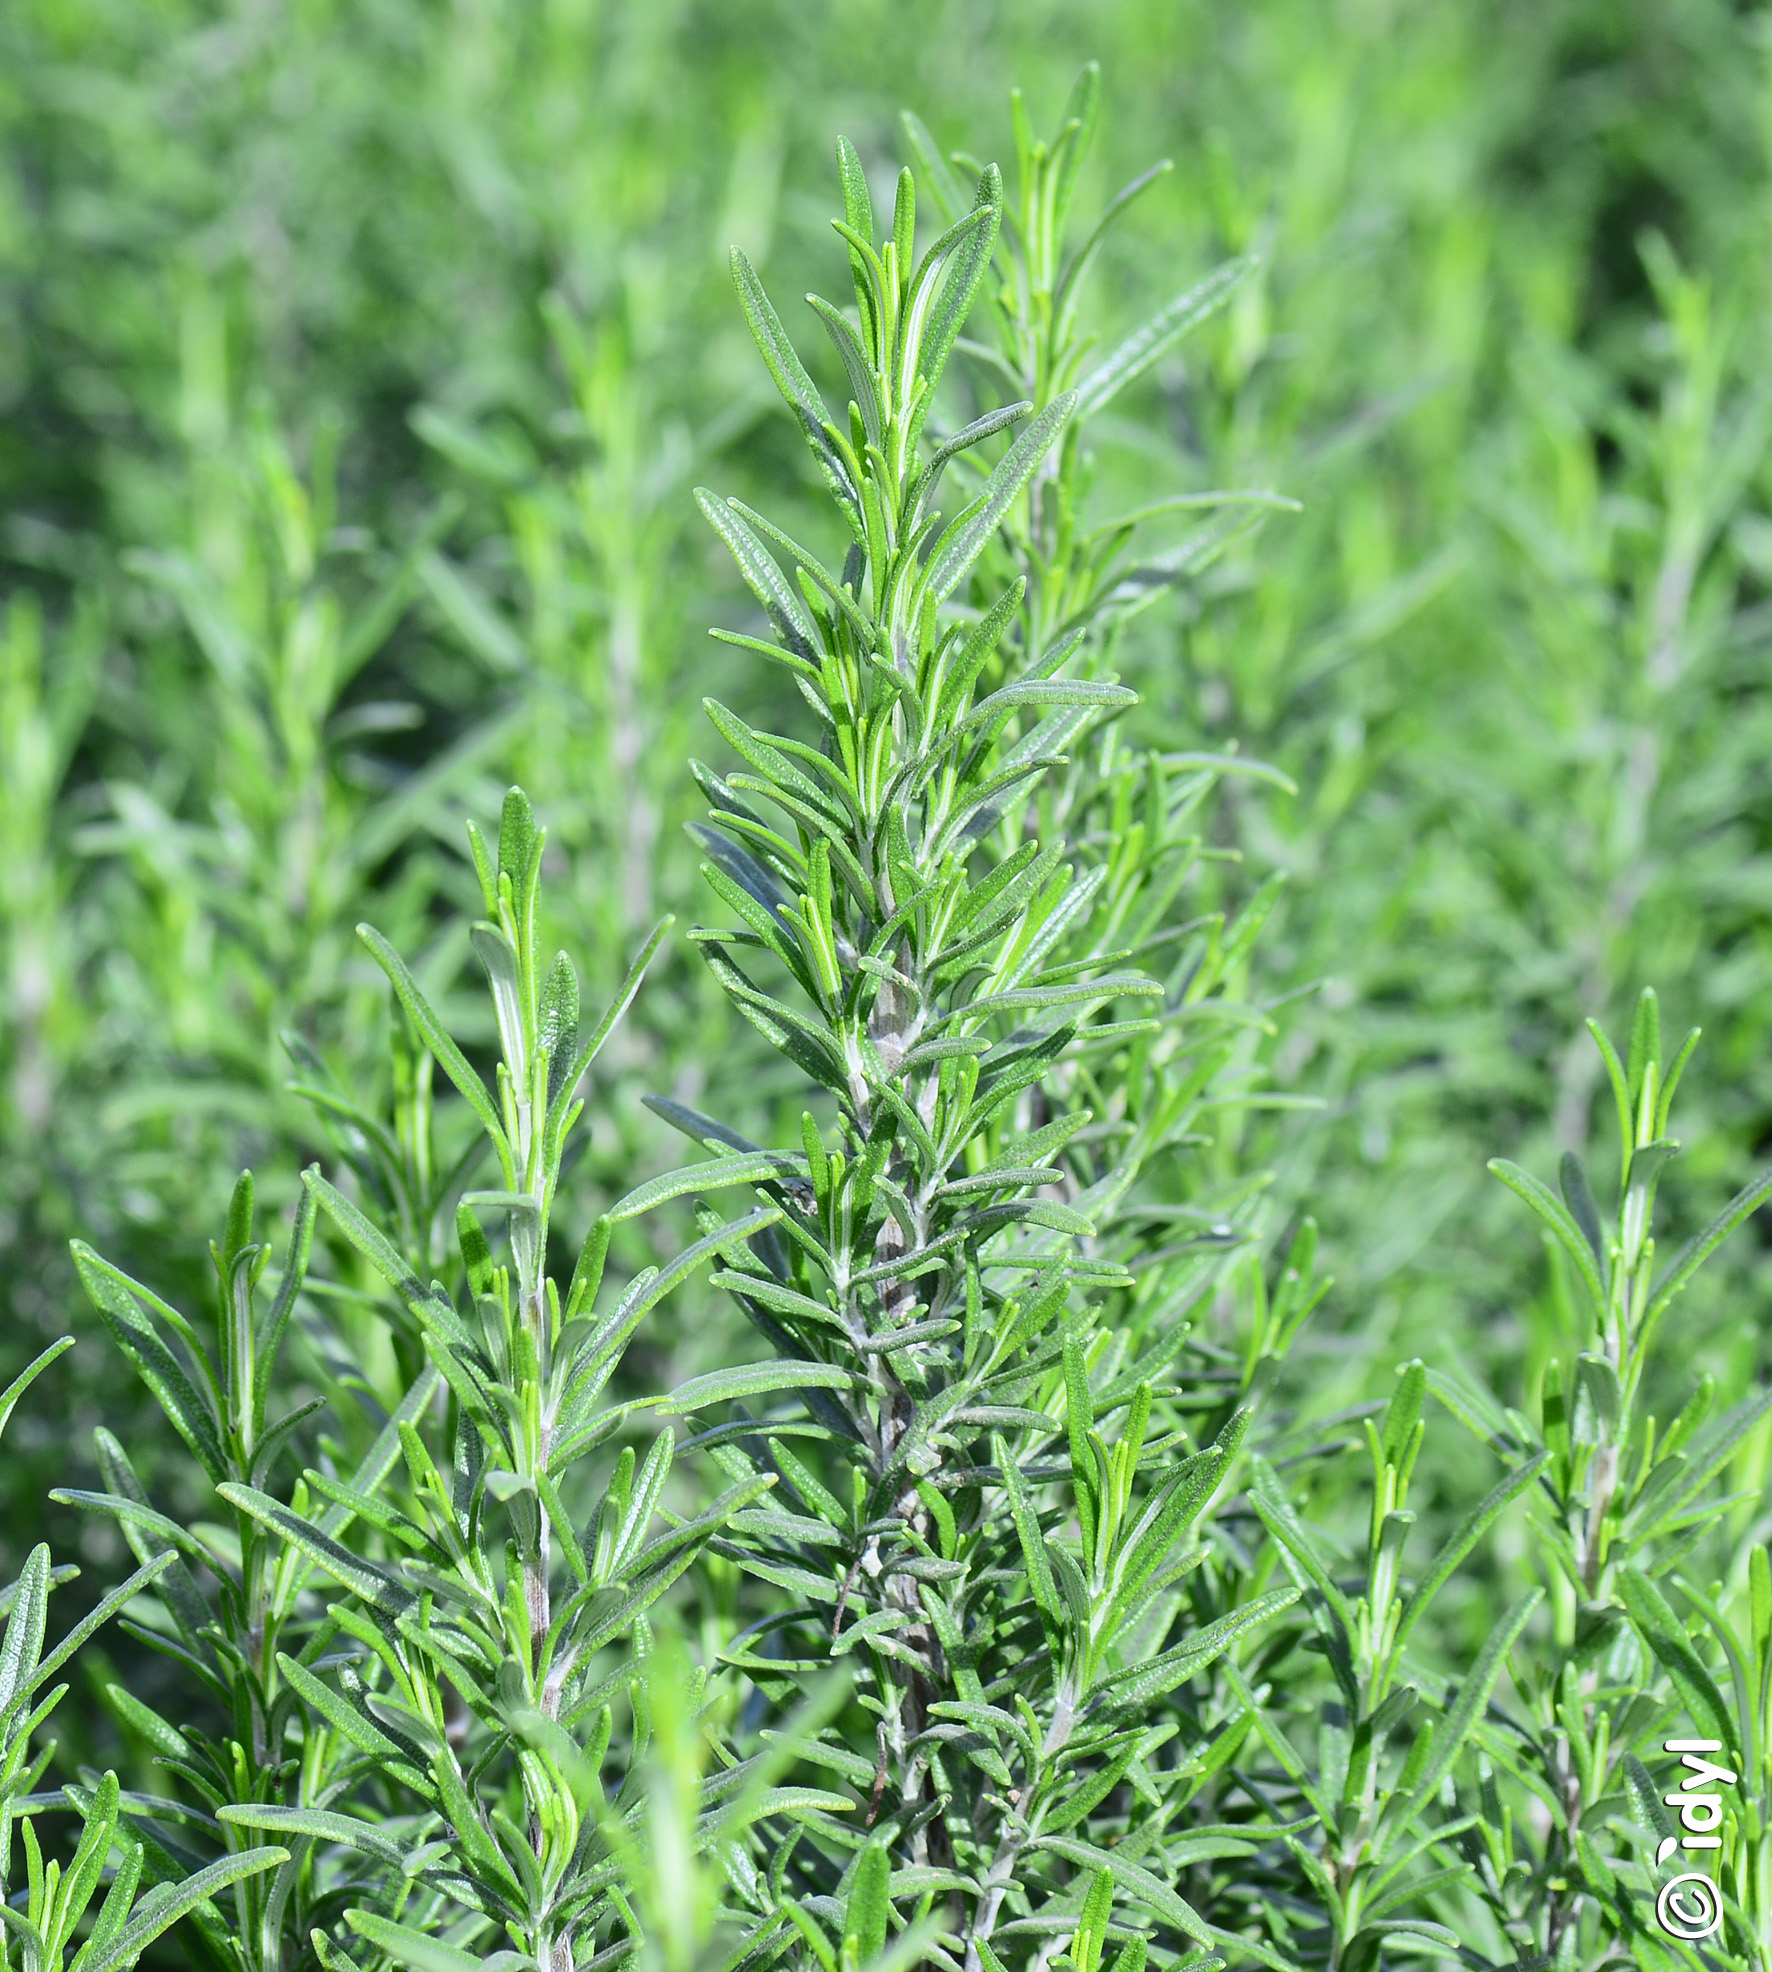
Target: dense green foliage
358, 364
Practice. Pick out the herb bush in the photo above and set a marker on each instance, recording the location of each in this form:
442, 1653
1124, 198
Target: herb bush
239, 260
1010, 1609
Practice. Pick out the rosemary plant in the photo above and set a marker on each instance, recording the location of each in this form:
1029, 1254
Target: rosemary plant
53, 1914
246, 1646
990, 1487
1001, 1539
426, 1746
1631, 1519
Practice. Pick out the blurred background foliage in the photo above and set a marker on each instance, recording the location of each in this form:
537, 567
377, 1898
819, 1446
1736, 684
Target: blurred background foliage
357, 358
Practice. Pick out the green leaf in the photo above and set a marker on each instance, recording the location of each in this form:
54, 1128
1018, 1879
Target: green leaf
1075, 139
1171, 1508
1578, 1195
932, 166
355, 1726
363, 1578
967, 247
769, 1379
89, 1860
769, 760
1142, 348
1668, 1642
1136, 1688
24, 1629
120, 1304
1697, 1250
743, 881
1113, 986
1476, 1410
1561, 1221
130, 1514
428, 1303
164, 1905
1671, 1080
177, 1589
755, 1168
791, 379
320, 1823
1064, 295
781, 601
1279, 1516
419, 1952
1620, 1091
589, 1049
1645, 1041
28, 1375
1470, 1530
856, 362
1091, 1933
770, 1292
95, 1618
1456, 1726
964, 542
269, 1336
1677, 1482
804, 559
963, 440
805, 1043
858, 207
1045, 691
1398, 1435
866, 1912
161, 1734
1135, 1880
1028, 1531
435, 1036
519, 842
